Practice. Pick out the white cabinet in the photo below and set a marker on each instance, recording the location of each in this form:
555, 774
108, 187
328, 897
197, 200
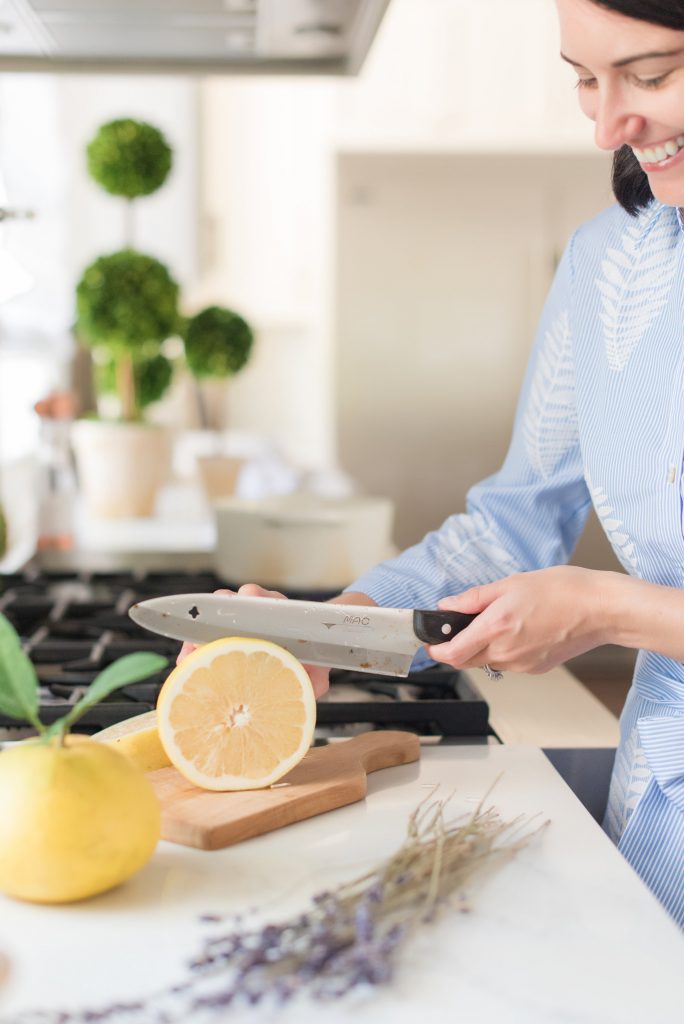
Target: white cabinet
464, 75
443, 77
443, 265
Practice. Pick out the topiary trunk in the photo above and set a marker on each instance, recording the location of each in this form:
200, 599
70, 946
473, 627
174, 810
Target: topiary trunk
125, 386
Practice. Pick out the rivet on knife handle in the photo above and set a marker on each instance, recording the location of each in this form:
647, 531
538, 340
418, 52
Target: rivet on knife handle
437, 627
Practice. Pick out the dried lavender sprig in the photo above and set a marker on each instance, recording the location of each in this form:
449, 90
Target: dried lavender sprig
351, 935
348, 938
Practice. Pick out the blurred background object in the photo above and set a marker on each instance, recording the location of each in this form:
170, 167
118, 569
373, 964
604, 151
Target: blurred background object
188, 36
56, 487
302, 541
217, 344
14, 280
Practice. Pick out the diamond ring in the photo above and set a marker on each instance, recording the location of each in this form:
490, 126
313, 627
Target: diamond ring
493, 673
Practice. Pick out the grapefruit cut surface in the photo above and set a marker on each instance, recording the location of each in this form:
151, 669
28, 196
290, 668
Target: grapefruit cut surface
236, 714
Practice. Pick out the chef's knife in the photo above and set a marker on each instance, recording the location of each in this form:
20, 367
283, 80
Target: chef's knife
336, 635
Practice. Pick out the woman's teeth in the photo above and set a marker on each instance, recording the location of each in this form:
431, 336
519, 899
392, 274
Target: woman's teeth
656, 154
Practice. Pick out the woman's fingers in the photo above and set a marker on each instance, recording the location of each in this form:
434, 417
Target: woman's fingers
472, 601
186, 649
527, 622
254, 590
466, 646
462, 651
320, 679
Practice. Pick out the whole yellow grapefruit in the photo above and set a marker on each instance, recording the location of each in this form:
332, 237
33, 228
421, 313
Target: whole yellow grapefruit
76, 819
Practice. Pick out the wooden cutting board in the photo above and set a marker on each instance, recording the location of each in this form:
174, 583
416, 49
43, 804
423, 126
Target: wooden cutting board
328, 777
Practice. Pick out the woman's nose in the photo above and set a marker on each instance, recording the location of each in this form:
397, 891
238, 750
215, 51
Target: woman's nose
616, 125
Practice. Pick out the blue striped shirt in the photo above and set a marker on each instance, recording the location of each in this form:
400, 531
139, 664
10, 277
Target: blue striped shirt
600, 421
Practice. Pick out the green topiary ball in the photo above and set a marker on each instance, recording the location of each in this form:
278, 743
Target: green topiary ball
124, 300
129, 158
152, 379
218, 342
152, 375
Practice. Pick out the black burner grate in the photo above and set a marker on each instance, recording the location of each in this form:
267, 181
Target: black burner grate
72, 625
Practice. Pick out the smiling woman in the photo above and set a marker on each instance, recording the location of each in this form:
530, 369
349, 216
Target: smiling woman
629, 57
599, 423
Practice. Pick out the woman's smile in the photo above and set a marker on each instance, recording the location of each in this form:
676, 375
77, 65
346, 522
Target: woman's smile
661, 156
631, 78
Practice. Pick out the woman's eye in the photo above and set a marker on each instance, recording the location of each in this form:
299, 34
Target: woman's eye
652, 83
642, 83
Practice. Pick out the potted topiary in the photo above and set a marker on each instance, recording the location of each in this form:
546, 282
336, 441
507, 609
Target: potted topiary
126, 308
217, 343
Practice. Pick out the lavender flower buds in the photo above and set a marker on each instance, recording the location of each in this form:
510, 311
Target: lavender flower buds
348, 939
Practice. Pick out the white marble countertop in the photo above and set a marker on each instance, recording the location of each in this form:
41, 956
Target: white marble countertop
550, 710
563, 934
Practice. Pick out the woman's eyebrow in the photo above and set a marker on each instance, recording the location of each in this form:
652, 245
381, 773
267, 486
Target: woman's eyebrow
633, 59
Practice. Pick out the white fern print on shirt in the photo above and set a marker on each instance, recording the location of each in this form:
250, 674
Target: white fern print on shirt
635, 284
550, 424
623, 545
470, 544
631, 776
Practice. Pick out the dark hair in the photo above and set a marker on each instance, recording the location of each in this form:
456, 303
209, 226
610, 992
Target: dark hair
630, 183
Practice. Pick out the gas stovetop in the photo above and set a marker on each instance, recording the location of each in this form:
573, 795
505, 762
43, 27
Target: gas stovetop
72, 625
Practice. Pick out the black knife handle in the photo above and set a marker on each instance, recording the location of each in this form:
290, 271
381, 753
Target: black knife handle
437, 627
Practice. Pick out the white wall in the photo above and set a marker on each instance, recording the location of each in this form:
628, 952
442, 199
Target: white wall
166, 221
443, 76
443, 264
268, 198
35, 340
46, 122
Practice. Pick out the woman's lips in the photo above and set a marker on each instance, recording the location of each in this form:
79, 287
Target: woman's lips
651, 166
657, 151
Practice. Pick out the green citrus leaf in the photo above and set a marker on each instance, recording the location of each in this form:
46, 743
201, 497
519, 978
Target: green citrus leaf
18, 680
129, 669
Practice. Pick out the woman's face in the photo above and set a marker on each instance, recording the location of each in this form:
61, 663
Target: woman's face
631, 84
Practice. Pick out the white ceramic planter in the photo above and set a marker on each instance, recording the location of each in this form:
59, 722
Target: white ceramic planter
301, 541
121, 466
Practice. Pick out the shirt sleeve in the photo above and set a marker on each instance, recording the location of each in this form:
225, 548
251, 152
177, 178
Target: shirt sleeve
529, 514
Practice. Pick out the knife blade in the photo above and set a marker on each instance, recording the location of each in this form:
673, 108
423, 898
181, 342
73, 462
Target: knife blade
369, 639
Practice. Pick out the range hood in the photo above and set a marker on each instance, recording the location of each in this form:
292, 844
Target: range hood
196, 36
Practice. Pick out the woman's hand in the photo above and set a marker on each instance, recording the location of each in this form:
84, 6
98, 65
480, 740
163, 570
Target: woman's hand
319, 676
529, 622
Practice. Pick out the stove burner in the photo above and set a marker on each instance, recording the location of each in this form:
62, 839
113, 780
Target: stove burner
73, 625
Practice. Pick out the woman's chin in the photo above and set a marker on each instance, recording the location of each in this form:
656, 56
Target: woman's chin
669, 193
